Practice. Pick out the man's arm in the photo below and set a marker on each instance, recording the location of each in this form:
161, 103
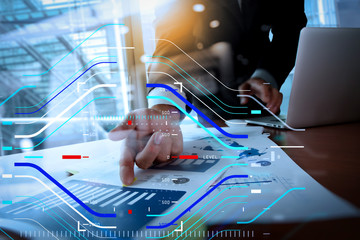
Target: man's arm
288, 18
154, 140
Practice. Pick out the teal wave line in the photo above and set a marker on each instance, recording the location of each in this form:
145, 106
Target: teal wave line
194, 80
226, 230
66, 81
32, 75
52, 211
63, 123
208, 211
209, 217
230, 165
7, 99
198, 123
262, 212
6, 234
221, 208
202, 91
51, 217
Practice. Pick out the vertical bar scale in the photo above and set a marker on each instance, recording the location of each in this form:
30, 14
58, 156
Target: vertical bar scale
272, 156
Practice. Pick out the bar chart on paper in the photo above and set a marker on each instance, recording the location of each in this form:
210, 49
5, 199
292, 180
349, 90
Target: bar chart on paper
190, 164
131, 206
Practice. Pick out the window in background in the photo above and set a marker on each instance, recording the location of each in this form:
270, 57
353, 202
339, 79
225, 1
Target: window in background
348, 13
320, 13
49, 30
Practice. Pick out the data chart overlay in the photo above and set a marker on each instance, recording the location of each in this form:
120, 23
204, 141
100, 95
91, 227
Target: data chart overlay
130, 204
190, 165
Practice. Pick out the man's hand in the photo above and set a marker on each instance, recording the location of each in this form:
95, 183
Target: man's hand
269, 95
147, 140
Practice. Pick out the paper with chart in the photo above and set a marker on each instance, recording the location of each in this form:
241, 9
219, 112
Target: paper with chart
276, 190
207, 184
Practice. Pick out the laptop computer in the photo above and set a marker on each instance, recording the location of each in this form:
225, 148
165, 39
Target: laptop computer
326, 84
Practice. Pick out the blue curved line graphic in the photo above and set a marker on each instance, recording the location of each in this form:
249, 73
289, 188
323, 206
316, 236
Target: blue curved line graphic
51, 211
199, 89
65, 88
8, 98
173, 209
209, 217
70, 231
197, 201
196, 81
262, 212
67, 80
25, 164
196, 110
63, 123
32, 75
198, 123
203, 206
6, 234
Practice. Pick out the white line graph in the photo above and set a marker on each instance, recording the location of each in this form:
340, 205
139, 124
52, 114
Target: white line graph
232, 89
90, 232
240, 95
63, 99
29, 219
65, 110
194, 96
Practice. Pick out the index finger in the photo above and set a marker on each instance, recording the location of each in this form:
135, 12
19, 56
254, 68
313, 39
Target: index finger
127, 159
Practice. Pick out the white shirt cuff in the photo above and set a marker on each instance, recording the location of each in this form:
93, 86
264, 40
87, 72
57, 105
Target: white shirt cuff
266, 76
166, 93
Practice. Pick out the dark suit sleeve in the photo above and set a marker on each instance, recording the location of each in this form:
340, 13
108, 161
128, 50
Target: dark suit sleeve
288, 18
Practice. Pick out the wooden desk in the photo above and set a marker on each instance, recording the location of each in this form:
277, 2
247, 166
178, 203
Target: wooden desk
330, 156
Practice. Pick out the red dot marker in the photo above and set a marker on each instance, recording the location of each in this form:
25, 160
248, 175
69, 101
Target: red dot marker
129, 122
129, 211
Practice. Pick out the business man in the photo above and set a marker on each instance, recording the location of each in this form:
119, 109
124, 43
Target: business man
197, 40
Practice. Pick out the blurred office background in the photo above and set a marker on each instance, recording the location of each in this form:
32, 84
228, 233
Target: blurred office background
36, 34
